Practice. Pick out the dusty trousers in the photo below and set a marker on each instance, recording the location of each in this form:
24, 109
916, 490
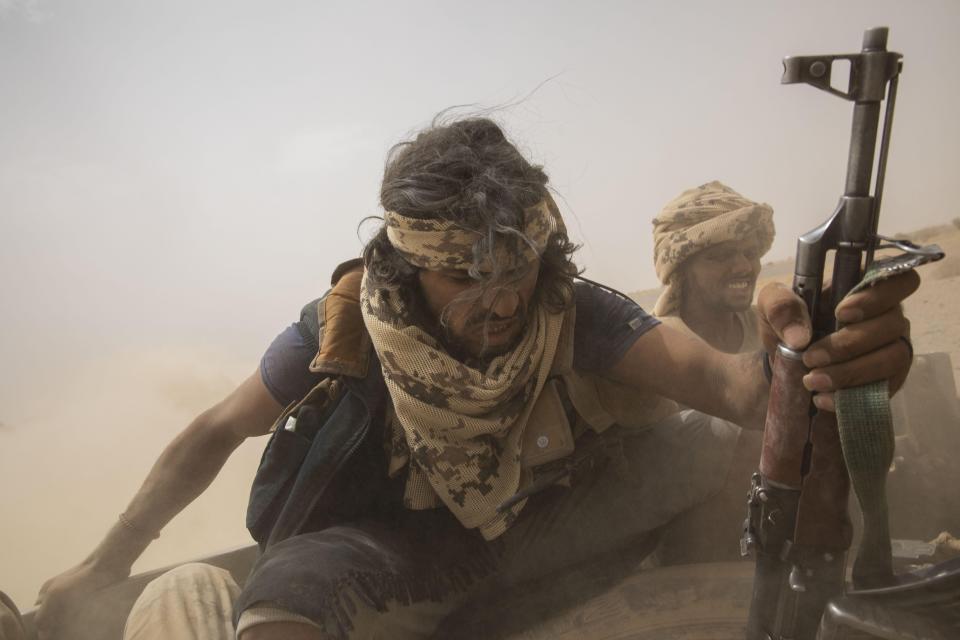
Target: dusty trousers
652, 475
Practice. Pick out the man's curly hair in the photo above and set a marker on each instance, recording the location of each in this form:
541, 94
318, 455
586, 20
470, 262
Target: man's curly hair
468, 171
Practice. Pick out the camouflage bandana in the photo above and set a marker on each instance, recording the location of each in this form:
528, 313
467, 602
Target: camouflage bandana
700, 218
443, 244
462, 426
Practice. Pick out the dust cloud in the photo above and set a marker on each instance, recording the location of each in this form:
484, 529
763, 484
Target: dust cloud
69, 466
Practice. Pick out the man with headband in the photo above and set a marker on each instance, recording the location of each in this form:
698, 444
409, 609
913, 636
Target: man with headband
461, 415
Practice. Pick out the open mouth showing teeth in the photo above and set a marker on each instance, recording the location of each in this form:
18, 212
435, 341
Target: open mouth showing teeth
496, 329
739, 284
499, 328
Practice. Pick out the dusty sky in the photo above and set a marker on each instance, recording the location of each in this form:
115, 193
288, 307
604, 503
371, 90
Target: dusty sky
178, 178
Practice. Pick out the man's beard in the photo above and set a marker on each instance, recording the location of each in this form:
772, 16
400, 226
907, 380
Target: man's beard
457, 347
480, 321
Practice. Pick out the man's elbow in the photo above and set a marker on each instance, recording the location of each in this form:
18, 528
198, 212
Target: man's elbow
214, 426
249, 411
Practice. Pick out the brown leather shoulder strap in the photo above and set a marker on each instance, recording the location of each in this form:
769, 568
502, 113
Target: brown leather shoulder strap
344, 342
356, 264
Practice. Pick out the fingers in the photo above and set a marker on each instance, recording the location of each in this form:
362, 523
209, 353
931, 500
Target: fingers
52, 605
857, 339
867, 349
878, 299
824, 402
900, 377
42, 618
46, 622
42, 592
784, 317
49, 619
888, 362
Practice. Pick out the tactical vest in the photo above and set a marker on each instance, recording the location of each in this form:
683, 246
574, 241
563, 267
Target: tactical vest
326, 462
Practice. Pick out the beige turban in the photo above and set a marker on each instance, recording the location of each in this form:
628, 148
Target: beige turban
700, 218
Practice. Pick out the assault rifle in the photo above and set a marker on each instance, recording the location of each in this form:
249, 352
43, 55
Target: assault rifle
797, 524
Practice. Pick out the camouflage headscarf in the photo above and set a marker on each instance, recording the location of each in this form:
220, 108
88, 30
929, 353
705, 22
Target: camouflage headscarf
462, 426
699, 218
444, 244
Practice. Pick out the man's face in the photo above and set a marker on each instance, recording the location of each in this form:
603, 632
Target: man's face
724, 276
479, 322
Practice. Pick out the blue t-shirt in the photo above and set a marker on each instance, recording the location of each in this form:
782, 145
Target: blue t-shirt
607, 324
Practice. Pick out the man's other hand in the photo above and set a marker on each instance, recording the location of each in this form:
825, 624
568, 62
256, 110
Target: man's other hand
866, 349
61, 595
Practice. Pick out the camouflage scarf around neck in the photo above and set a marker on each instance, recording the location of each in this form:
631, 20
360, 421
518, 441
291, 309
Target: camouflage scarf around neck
463, 426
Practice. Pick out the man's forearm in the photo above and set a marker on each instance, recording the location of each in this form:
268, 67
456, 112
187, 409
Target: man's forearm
732, 387
184, 470
744, 390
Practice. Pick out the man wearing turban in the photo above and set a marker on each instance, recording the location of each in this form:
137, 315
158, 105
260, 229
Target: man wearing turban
708, 242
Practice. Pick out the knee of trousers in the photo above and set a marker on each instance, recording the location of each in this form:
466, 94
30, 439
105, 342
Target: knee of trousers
189, 592
681, 461
193, 578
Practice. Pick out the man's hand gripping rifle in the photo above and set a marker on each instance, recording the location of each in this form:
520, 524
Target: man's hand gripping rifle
797, 523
